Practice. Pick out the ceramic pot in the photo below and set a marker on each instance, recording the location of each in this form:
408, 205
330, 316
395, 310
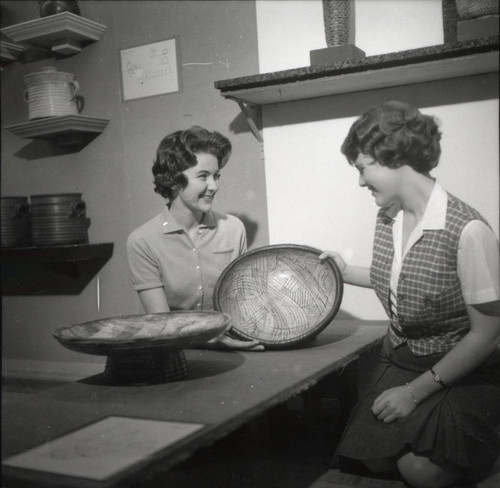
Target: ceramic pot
15, 222
51, 7
52, 93
58, 219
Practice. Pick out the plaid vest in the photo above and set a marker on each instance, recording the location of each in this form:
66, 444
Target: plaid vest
431, 313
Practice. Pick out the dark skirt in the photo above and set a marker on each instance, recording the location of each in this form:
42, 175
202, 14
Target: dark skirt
455, 427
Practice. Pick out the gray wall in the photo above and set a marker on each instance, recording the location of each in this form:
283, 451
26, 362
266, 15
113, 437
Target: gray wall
217, 40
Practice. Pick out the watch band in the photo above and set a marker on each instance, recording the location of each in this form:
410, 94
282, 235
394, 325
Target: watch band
437, 378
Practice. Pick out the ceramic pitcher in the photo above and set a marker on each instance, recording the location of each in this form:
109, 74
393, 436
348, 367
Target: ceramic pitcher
52, 7
52, 93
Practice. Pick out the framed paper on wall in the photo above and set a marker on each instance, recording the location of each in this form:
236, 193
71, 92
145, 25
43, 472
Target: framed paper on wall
149, 70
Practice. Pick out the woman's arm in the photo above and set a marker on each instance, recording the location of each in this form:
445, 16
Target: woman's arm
352, 275
154, 300
482, 339
477, 267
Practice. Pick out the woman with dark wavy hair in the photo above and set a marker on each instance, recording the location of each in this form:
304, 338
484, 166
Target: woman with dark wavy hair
176, 258
434, 406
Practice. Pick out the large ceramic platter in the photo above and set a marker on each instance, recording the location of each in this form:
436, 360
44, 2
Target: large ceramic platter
280, 295
141, 333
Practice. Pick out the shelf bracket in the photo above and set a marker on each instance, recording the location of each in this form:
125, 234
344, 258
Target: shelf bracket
250, 120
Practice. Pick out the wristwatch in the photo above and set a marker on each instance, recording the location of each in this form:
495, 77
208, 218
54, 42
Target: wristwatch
437, 378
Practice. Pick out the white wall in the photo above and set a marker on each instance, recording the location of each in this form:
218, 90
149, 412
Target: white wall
313, 194
289, 29
216, 40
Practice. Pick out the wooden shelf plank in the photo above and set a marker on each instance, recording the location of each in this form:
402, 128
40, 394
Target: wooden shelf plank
55, 270
416, 66
47, 32
61, 129
10, 51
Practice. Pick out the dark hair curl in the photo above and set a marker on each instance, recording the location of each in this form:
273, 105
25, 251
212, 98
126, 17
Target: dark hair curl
394, 134
177, 152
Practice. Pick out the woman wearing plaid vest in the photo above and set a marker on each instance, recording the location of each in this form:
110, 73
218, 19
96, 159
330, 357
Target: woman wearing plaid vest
434, 406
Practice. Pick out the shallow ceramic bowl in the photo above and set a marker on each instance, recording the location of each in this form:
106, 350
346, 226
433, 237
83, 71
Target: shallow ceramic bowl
280, 295
143, 333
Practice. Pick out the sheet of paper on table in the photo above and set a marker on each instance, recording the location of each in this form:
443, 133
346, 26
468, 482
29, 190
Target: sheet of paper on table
102, 449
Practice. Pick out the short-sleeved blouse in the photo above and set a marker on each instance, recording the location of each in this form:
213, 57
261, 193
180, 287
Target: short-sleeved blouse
478, 252
161, 254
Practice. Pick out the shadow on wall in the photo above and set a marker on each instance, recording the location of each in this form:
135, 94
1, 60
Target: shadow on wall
250, 226
39, 149
240, 124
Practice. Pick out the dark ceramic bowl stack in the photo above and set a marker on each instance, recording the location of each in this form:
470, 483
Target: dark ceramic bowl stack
58, 219
15, 222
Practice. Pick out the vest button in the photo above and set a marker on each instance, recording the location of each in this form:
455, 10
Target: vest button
401, 320
401, 298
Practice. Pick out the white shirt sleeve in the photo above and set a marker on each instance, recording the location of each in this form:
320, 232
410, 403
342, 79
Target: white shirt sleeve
478, 264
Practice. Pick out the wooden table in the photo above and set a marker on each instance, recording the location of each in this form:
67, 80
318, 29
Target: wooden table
222, 391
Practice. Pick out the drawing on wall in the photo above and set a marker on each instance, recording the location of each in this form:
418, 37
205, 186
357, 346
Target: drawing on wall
149, 70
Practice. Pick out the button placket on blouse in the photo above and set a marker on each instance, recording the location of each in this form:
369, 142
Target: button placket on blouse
200, 286
198, 268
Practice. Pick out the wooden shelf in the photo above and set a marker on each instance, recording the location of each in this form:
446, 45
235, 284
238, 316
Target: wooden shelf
10, 52
473, 57
65, 130
64, 33
58, 270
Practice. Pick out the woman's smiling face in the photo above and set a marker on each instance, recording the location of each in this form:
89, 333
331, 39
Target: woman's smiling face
203, 183
383, 182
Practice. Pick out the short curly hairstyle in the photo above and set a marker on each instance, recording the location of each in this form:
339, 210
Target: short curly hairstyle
177, 152
395, 134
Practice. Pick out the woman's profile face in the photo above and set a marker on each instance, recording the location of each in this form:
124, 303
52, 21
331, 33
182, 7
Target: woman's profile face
203, 183
383, 182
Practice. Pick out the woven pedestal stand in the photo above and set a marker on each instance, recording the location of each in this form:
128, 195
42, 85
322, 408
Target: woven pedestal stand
477, 19
472, 9
149, 367
338, 19
450, 19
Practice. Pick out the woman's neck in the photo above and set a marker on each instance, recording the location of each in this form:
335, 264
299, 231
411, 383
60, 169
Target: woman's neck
185, 217
416, 194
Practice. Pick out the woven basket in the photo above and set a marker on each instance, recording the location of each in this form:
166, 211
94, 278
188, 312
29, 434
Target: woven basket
336, 18
471, 9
